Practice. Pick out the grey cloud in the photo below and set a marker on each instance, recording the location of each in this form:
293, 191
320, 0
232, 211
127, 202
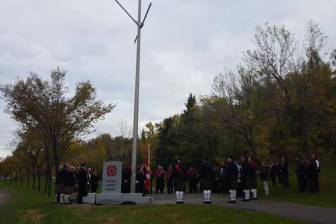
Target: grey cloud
185, 43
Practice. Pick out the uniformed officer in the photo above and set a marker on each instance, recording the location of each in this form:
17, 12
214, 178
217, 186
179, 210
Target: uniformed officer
245, 171
231, 179
179, 175
253, 178
206, 175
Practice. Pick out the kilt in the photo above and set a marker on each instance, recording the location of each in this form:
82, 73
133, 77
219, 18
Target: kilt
206, 184
180, 185
232, 184
253, 182
245, 183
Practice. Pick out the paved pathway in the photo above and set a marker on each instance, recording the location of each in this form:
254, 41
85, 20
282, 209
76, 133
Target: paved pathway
312, 214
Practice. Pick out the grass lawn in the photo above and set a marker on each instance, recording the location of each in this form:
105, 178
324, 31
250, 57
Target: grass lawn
325, 198
27, 207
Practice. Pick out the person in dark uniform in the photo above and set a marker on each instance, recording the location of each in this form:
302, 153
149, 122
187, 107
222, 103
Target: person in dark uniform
284, 172
140, 180
264, 173
126, 179
301, 173
274, 172
316, 173
216, 184
253, 178
245, 171
94, 181
221, 177
170, 179
159, 175
311, 175
180, 181
69, 186
206, 175
192, 175
73, 170
231, 179
60, 182
82, 181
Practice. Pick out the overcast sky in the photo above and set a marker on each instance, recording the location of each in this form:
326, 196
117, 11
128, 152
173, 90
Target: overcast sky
185, 44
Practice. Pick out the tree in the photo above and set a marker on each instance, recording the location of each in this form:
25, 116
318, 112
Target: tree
275, 55
32, 149
44, 105
239, 104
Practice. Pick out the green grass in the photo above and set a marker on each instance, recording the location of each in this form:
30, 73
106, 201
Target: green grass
325, 198
27, 207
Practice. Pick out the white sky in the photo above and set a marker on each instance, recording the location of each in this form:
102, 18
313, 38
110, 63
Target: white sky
185, 44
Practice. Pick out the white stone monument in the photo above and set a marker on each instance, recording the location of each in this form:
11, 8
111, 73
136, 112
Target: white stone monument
111, 188
112, 172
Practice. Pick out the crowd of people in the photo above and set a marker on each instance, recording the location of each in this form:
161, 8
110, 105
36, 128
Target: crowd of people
237, 178
73, 183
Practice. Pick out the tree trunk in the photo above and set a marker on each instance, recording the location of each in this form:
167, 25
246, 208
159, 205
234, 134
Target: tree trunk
15, 178
21, 179
48, 176
39, 182
28, 178
34, 177
38, 179
46, 183
49, 184
46, 187
55, 152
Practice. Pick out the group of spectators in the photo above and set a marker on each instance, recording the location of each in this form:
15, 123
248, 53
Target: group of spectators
237, 178
307, 173
73, 183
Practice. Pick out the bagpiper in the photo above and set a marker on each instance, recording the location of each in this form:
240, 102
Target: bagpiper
179, 175
206, 175
231, 179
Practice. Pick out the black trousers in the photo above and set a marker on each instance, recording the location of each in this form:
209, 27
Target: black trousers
274, 180
192, 186
301, 183
170, 186
81, 193
159, 185
285, 181
317, 182
94, 188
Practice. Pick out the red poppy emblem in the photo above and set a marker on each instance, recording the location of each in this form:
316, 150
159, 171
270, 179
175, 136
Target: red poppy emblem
111, 171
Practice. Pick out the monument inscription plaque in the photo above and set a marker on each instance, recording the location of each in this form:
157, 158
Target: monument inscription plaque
111, 182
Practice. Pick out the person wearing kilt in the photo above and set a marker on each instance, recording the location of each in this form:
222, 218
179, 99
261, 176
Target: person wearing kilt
245, 171
60, 183
68, 187
82, 180
264, 173
253, 178
231, 179
170, 179
206, 175
179, 175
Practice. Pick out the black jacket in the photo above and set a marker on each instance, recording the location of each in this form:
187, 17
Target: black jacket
82, 178
245, 173
231, 176
69, 179
264, 173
